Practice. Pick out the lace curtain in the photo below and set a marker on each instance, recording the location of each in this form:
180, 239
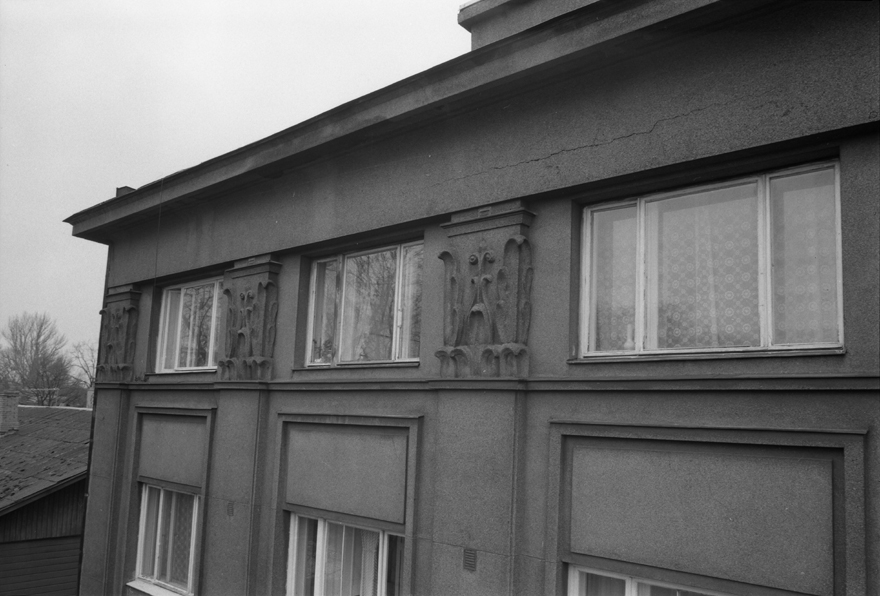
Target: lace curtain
703, 270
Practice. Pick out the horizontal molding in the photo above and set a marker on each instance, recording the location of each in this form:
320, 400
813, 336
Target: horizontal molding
839, 382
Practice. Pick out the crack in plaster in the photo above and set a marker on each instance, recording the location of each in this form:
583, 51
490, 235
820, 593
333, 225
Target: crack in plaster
610, 141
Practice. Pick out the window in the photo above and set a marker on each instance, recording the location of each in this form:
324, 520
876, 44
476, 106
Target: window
750, 264
189, 327
586, 582
366, 306
166, 541
332, 558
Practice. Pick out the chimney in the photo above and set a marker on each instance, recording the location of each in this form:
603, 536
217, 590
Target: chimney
123, 190
8, 412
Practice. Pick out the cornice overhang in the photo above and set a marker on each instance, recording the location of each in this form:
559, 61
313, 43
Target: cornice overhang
582, 39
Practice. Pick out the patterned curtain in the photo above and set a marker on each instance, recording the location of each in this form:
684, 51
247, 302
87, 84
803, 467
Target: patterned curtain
705, 270
804, 258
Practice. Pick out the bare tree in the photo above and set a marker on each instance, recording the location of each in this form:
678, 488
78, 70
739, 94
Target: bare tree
84, 361
34, 359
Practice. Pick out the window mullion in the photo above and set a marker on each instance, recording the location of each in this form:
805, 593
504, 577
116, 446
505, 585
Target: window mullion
382, 571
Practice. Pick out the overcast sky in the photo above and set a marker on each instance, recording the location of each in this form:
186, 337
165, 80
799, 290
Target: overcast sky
96, 94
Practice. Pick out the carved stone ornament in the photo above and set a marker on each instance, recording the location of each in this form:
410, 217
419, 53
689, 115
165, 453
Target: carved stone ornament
251, 310
487, 309
119, 319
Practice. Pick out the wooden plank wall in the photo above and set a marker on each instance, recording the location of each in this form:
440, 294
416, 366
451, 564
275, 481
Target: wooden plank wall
61, 513
48, 567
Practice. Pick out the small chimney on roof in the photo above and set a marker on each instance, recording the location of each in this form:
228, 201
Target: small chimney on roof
8, 412
123, 190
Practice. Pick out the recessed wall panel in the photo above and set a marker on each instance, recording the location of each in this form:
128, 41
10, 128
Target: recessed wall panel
756, 515
357, 470
173, 448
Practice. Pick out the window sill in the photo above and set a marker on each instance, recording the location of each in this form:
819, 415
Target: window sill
649, 357
152, 589
347, 365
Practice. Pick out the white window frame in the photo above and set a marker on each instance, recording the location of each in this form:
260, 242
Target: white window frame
151, 581
320, 547
765, 268
164, 320
340, 259
631, 582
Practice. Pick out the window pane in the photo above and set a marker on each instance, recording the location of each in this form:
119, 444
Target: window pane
613, 280
151, 523
172, 315
333, 546
591, 584
702, 266
165, 521
368, 315
394, 576
365, 580
411, 302
306, 547
324, 321
804, 280
645, 589
195, 326
181, 539
215, 356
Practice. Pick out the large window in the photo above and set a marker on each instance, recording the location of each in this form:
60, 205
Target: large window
329, 558
749, 264
586, 582
189, 327
366, 306
166, 541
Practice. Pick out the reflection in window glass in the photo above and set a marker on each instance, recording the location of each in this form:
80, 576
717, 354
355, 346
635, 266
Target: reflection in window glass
190, 327
367, 307
410, 302
324, 321
613, 281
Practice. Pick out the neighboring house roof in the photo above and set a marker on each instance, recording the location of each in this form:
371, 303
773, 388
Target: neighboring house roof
49, 450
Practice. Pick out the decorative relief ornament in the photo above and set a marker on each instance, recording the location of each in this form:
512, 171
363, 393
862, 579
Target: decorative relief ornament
487, 305
118, 335
252, 307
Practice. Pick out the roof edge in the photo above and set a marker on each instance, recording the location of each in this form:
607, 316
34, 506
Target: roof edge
418, 97
75, 477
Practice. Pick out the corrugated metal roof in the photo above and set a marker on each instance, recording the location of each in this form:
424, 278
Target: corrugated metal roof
50, 448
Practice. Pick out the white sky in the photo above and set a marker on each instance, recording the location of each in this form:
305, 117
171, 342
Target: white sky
96, 94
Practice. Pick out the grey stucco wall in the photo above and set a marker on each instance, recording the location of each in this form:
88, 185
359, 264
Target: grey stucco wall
743, 99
